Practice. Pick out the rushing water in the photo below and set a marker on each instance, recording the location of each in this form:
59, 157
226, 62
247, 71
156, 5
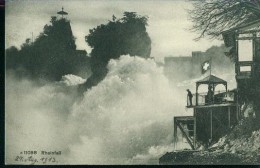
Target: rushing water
126, 119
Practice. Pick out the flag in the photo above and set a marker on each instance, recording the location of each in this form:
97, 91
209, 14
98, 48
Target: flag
205, 66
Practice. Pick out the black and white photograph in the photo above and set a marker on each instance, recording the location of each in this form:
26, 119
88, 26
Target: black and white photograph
140, 82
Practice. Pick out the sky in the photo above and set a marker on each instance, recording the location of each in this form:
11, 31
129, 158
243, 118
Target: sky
168, 22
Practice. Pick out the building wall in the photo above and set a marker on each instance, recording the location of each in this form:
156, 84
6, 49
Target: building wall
220, 122
178, 68
187, 67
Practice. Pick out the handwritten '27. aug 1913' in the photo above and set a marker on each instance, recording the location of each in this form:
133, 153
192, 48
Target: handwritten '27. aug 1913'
35, 157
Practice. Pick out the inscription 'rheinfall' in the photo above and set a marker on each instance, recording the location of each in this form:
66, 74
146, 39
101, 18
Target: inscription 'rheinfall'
51, 152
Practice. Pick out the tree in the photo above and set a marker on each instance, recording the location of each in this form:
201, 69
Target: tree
211, 17
118, 37
12, 58
52, 54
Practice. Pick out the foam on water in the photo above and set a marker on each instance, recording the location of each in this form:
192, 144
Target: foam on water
126, 117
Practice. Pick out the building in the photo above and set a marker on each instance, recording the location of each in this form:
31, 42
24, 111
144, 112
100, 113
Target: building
213, 114
188, 66
244, 47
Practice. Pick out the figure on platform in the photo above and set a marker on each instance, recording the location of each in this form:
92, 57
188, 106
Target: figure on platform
210, 95
190, 96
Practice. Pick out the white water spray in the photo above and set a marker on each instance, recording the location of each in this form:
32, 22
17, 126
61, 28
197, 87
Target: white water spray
125, 119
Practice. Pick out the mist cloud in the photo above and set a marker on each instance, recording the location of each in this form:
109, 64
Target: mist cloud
127, 115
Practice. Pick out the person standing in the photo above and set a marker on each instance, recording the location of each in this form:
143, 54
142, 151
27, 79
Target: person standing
210, 95
190, 96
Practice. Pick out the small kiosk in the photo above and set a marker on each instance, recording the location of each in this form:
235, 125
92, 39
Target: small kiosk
213, 114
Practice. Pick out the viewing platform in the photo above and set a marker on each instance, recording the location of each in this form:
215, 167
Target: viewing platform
211, 98
212, 105
221, 98
214, 114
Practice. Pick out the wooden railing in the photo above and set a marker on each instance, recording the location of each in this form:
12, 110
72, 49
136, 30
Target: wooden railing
218, 98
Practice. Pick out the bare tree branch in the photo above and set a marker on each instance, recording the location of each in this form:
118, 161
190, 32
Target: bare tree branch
211, 17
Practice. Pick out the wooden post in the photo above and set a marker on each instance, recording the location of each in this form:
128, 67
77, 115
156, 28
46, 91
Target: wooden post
194, 130
229, 117
211, 128
237, 67
254, 55
175, 134
213, 94
197, 94
237, 105
238, 111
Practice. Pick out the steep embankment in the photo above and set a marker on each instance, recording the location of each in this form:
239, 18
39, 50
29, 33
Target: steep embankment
240, 146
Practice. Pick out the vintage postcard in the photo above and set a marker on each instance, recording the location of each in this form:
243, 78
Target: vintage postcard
143, 82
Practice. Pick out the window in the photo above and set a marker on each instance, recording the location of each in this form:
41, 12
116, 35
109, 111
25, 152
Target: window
245, 50
246, 35
258, 34
245, 68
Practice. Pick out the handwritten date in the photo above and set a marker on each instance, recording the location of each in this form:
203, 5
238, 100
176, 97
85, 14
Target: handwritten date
33, 160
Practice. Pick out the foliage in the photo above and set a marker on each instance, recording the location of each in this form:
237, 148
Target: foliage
211, 17
52, 54
118, 37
